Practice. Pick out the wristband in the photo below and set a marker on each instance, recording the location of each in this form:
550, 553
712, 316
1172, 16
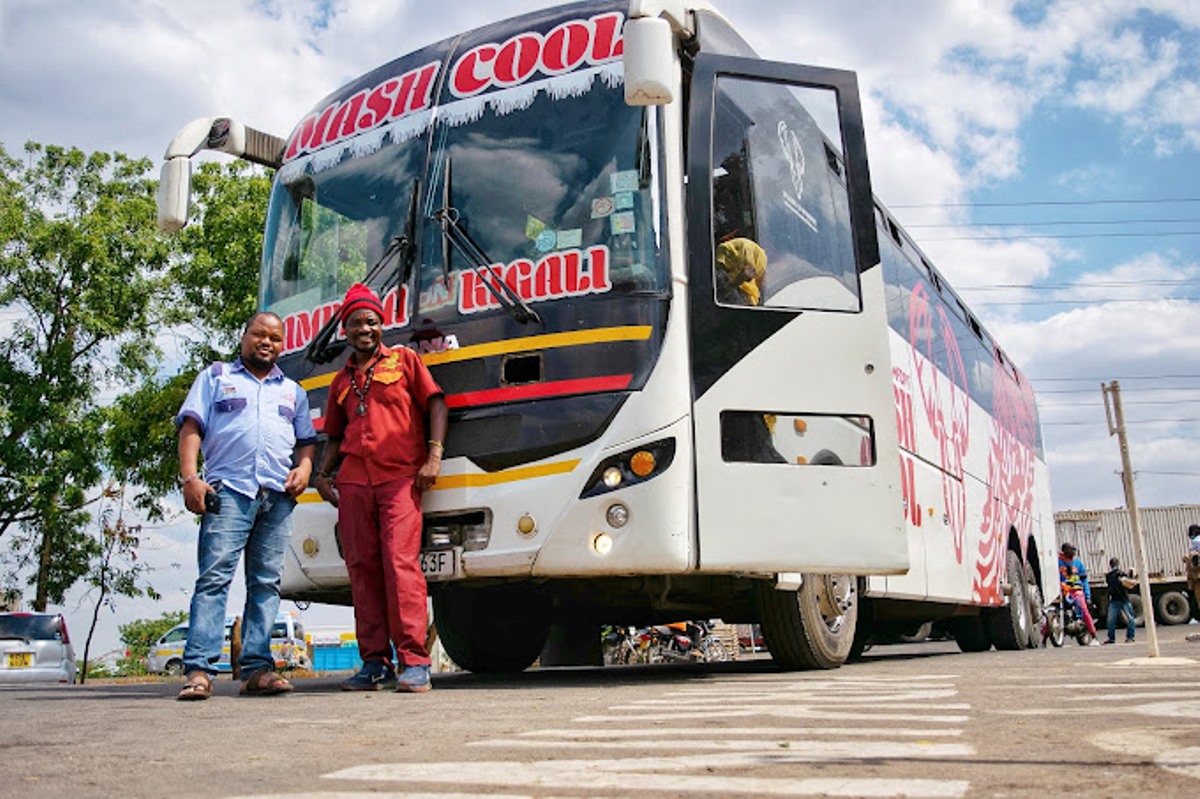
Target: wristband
435, 444
185, 480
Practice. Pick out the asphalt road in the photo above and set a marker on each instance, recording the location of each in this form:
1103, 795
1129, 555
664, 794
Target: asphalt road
910, 720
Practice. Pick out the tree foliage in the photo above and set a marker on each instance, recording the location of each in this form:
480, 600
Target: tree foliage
81, 271
90, 291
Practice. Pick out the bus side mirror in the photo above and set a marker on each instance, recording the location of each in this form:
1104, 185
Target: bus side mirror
650, 71
174, 193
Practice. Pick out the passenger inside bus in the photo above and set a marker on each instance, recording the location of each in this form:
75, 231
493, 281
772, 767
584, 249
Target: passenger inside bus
741, 272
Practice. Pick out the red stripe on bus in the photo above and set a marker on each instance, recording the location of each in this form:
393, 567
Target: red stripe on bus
585, 385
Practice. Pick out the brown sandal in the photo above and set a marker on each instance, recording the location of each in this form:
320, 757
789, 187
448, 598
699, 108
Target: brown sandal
198, 686
265, 682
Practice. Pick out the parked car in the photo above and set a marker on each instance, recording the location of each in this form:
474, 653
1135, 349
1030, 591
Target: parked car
287, 645
35, 647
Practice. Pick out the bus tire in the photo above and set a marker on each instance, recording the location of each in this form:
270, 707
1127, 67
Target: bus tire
1037, 608
970, 633
1172, 607
810, 628
498, 629
1009, 625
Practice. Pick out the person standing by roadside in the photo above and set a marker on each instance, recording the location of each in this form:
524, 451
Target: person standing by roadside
374, 419
253, 426
1119, 583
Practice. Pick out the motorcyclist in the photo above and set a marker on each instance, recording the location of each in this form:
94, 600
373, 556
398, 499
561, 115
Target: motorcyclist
1073, 580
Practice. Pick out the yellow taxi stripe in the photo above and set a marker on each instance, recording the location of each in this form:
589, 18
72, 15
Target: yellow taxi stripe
600, 335
449, 481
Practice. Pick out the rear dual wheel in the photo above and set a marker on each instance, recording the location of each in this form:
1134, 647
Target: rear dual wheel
1009, 626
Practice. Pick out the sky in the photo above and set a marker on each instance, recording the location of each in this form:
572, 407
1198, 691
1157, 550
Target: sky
1043, 154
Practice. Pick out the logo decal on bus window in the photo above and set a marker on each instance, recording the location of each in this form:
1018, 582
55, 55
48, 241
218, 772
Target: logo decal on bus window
564, 49
300, 327
793, 153
569, 273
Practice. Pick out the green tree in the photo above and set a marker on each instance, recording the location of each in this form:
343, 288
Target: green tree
139, 635
82, 272
213, 283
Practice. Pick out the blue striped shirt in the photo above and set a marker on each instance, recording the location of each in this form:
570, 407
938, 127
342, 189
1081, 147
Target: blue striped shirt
249, 428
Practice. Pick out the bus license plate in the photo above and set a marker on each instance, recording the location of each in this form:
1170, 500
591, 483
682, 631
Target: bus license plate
20, 660
442, 564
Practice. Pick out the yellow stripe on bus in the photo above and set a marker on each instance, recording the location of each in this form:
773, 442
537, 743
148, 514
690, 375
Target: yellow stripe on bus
600, 335
449, 481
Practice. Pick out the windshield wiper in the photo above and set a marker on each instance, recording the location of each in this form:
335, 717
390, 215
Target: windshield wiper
454, 234
322, 349
481, 265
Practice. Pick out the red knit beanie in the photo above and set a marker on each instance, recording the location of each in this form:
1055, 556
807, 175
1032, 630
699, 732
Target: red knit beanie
359, 296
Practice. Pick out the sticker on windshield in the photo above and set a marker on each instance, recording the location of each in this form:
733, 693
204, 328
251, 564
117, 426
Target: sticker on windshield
534, 227
623, 200
545, 241
624, 181
602, 207
623, 222
570, 238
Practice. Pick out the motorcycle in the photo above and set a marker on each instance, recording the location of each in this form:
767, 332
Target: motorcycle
1062, 619
683, 642
619, 646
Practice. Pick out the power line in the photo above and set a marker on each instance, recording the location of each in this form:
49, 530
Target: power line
1108, 284
1092, 301
1029, 203
1063, 222
1127, 421
1107, 379
1067, 236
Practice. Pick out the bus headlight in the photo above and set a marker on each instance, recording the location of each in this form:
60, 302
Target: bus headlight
635, 465
617, 515
612, 477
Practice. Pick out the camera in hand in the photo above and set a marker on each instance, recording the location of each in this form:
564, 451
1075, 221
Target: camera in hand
212, 502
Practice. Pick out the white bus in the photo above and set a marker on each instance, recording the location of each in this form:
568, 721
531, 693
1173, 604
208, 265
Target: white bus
833, 449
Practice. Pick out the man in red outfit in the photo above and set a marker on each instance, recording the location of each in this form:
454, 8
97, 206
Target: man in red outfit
374, 420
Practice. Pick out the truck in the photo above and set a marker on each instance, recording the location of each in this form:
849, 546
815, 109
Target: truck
1103, 534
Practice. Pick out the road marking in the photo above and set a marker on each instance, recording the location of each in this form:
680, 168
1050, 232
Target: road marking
785, 711
855, 697
797, 749
1155, 745
646, 774
766, 732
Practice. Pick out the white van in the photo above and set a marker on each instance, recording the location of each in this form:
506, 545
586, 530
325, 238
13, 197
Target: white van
287, 645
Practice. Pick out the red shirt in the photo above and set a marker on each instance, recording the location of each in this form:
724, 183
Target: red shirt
388, 441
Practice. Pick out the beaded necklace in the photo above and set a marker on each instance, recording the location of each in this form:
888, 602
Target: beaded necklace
361, 393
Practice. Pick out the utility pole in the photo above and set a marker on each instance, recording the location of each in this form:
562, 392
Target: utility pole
1117, 413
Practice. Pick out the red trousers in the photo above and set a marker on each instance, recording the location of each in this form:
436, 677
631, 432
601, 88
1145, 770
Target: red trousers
380, 529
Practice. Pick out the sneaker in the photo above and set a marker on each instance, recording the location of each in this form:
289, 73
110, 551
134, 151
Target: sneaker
1129, 640
373, 676
1106, 643
1094, 642
414, 680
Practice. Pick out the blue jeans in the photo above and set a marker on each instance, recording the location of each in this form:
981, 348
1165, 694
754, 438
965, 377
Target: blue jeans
1115, 607
261, 527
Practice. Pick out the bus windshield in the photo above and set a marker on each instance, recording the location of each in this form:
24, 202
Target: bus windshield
555, 182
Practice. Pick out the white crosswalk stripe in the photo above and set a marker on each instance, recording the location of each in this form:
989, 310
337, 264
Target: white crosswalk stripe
681, 747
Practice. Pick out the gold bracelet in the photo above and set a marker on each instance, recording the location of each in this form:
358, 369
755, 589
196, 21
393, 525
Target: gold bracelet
435, 444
